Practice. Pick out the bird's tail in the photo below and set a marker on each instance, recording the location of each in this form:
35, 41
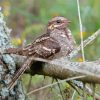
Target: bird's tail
17, 51
20, 72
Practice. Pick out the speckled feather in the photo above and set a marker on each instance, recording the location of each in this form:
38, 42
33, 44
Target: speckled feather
44, 47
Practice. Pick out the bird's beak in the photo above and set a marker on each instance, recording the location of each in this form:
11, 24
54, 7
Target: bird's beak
67, 21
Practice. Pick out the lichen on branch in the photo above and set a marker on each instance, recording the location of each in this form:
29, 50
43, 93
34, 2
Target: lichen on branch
7, 65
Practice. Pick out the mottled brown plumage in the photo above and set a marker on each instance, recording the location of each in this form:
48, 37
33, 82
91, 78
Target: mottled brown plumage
57, 42
43, 47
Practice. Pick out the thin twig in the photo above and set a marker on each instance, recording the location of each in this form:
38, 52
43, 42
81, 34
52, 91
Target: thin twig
60, 89
85, 43
84, 95
74, 87
73, 95
93, 86
50, 85
80, 23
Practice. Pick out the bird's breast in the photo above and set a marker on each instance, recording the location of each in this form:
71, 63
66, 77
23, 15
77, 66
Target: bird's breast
63, 41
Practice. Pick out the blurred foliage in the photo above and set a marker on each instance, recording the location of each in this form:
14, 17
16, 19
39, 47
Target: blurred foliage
28, 19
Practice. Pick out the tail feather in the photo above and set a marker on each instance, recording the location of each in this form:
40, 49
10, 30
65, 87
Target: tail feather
19, 73
14, 51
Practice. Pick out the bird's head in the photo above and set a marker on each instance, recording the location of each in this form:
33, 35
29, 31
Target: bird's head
58, 23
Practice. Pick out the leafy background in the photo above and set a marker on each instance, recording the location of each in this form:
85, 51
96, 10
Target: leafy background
28, 19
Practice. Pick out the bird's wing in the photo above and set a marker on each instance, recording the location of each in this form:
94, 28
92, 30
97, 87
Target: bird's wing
45, 46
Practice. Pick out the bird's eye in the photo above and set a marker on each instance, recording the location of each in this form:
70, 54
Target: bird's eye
58, 21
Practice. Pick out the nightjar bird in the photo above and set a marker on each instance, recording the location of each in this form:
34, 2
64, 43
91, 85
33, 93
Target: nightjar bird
55, 43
